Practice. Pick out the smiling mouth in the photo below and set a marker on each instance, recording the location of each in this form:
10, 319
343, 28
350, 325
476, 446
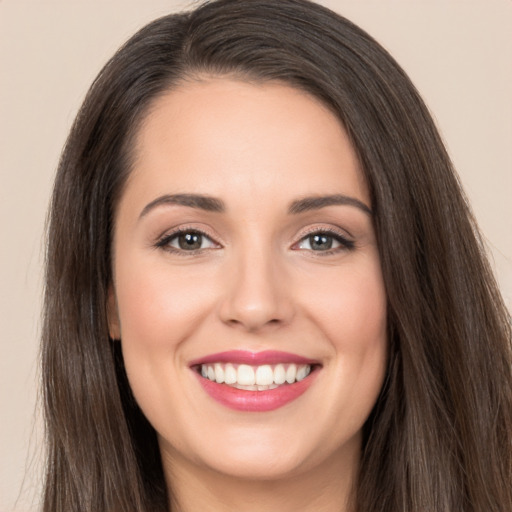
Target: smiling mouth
255, 382
254, 378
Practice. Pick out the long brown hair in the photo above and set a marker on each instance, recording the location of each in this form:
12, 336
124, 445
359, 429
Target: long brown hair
440, 436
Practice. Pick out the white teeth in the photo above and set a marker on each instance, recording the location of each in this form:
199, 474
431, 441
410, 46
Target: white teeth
245, 375
270, 386
279, 374
229, 374
255, 378
264, 375
219, 373
302, 373
291, 373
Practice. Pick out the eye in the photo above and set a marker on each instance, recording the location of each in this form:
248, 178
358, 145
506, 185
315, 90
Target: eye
324, 241
186, 240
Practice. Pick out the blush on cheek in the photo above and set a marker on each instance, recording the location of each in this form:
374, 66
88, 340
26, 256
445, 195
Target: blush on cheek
361, 317
153, 304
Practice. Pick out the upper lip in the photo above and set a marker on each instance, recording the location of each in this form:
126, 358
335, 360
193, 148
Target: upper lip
253, 358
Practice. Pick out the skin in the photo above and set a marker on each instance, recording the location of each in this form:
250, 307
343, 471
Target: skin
256, 284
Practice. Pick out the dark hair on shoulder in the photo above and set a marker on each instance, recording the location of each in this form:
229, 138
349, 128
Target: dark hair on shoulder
440, 436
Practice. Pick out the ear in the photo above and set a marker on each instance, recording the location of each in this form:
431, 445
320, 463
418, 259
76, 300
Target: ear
114, 325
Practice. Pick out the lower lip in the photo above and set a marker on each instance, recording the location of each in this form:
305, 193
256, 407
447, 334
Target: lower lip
256, 401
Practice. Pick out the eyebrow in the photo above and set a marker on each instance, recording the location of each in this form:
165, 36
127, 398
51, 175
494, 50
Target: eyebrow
207, 203
316, 202
212, 204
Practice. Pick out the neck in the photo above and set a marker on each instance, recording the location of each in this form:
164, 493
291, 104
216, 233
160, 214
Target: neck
322, 489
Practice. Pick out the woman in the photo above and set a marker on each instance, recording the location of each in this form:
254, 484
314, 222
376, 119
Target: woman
264, 286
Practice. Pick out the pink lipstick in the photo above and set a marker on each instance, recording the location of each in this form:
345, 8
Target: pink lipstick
255, 381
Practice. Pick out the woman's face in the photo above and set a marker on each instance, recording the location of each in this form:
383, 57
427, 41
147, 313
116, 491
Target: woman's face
247, 291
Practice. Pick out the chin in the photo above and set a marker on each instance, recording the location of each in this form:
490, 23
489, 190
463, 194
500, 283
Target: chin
268, 454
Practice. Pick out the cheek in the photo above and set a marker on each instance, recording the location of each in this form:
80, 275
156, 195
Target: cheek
352, 305
158, 308
351, 310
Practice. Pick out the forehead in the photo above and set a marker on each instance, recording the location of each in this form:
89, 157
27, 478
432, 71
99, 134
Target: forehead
219, 135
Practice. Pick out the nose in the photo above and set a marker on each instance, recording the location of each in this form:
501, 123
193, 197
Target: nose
256, 295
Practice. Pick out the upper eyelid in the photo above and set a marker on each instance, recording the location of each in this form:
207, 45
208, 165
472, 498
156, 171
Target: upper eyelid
164, 242
173, 232
346, 242
325, 229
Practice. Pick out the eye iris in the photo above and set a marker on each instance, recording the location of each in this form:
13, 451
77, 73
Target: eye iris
190, 241
320, 242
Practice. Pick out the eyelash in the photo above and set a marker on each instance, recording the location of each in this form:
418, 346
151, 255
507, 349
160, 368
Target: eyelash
165, 241
345, 243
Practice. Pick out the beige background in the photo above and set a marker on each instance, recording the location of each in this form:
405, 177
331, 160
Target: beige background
459, 54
